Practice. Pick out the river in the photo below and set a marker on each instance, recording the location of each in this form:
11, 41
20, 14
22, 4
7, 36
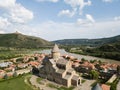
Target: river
63, 52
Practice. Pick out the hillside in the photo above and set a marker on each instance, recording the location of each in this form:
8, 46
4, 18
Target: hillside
18, 40
104, 47
91, 42
111, 51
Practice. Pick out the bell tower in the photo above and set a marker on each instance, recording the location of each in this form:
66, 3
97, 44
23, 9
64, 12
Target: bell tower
55, 52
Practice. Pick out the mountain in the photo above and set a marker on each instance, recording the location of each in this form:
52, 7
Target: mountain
103, 47
18, 40
91, 42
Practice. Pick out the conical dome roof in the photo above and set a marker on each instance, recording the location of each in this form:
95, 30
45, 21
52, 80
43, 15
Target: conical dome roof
97, 87
55, 48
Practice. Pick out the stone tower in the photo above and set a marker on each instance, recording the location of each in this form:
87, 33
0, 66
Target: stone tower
55, 52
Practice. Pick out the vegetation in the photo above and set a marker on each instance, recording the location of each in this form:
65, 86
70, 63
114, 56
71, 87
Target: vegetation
94, 74
89, 42
114, 84
16, 83
8, 54
39, 80
111, 51
104, 47
83, 80
17, 40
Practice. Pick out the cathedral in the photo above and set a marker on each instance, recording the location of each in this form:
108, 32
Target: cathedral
59, 70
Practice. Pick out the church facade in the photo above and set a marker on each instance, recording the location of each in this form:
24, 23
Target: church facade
59, 70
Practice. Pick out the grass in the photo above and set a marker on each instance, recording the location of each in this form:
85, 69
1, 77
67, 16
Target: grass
39, 79
83, 80
15, 84
51, 85
114, 84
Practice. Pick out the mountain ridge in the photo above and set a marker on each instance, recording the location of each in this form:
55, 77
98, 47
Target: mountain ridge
18, 40
93, 42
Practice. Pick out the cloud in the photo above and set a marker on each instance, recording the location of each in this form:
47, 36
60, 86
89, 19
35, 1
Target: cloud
15, 12
79, 4
109, 1
1, 32
90, 18
51, 30
20, 14
7, 3
67, 13
54, 1
117, 18
4, 23
88, 21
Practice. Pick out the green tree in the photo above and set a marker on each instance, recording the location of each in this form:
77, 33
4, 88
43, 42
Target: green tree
14, 74
5, 76
118, 70
94, 74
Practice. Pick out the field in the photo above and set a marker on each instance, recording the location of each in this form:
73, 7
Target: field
14, 84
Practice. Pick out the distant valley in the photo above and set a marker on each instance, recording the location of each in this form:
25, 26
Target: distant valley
90, 42
103, 47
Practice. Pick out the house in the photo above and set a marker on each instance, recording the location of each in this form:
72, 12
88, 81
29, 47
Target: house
59, 69
85, 67
105, 87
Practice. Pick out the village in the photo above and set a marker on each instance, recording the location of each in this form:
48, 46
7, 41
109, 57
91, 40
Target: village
69, 70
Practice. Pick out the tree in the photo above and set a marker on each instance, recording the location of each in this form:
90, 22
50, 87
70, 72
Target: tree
5, 76
83, 59
118, 70
94, 74
14, 74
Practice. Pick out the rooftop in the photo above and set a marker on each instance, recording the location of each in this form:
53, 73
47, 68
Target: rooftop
62, 61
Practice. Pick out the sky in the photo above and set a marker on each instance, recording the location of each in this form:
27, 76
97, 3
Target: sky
61, 19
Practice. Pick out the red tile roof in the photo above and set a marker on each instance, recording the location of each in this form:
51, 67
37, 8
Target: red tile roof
105, 87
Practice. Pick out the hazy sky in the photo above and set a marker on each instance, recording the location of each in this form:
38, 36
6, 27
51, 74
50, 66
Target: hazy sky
61, 19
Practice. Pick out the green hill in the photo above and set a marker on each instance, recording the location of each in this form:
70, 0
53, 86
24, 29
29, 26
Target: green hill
90, 42
111, 50
104, 47
17, 40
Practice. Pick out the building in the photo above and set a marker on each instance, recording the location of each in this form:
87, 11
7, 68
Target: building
59, 70
105, 87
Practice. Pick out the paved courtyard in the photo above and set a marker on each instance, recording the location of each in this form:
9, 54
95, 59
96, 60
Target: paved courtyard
84, 86
34, 82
